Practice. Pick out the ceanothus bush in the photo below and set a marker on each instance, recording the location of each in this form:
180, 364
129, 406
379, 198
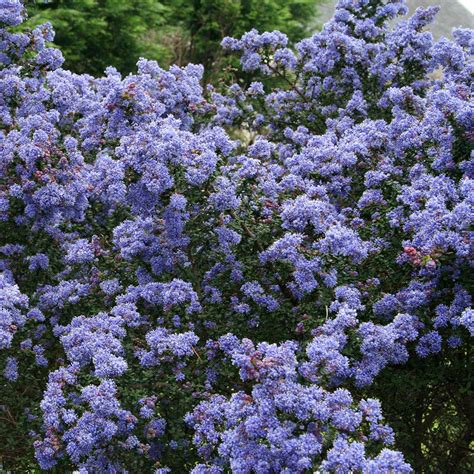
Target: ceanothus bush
218, 280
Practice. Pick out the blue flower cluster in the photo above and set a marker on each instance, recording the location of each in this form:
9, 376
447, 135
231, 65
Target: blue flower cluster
223, 273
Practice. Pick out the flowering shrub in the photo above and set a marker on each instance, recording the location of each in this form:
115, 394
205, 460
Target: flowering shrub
214, 281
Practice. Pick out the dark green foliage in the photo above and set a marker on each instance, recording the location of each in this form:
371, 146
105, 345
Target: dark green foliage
430, 403
202, 24
94, 34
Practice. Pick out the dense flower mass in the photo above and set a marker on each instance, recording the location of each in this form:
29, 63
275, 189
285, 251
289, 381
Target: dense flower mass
216, 280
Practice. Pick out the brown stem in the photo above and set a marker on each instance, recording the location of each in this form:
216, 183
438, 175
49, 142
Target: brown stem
282, 76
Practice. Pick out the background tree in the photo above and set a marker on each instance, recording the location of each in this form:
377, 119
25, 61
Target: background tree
202, 24
94, 34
